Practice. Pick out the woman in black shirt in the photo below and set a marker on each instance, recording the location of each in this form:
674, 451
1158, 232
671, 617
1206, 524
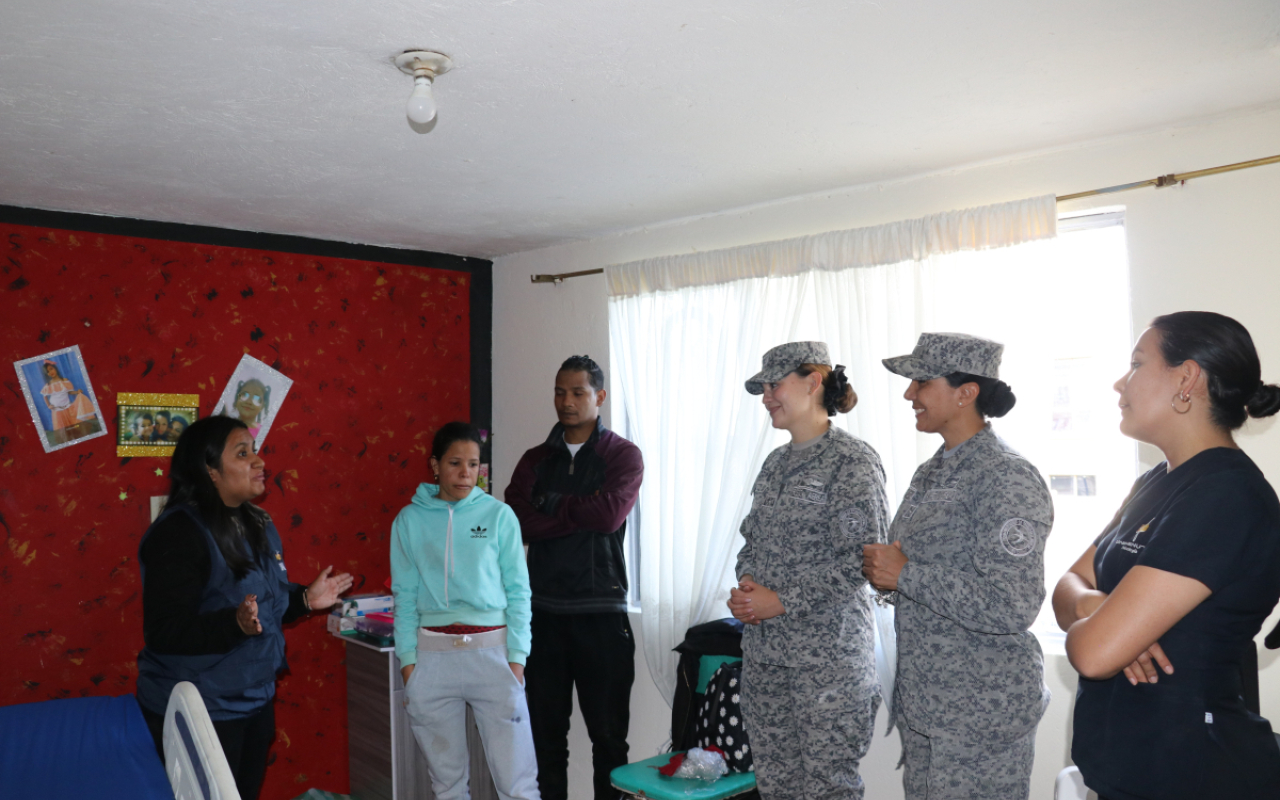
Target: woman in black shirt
1159, 611
216, 595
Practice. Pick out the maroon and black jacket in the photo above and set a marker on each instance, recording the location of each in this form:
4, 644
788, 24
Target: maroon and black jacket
573, 515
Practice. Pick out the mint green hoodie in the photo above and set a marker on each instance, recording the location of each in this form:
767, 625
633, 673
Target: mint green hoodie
458, 563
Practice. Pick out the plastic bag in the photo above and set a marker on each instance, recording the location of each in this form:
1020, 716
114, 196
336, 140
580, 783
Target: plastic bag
703, 765
886, 649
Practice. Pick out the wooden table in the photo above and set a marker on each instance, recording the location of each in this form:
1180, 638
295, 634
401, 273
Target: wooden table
385, 760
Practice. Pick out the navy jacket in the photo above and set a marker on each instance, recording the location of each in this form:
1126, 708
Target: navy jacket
235, 673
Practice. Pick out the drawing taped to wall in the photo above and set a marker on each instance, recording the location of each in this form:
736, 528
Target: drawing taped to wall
60, 398
254, 396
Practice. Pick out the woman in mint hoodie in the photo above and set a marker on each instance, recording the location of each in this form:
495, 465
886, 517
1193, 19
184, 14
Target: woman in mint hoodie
462, 622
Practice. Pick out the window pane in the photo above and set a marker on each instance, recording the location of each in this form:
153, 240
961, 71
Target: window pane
1062, 484
1062, 311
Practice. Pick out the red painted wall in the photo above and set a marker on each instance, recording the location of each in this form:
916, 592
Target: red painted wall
380, 357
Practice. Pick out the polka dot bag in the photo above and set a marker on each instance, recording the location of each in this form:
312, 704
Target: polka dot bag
719, 720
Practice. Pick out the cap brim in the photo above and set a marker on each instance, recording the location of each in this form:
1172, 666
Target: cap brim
913, 367
755, 384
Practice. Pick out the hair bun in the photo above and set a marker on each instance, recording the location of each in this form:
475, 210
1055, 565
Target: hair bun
1000, 401
1265, 401
837, 394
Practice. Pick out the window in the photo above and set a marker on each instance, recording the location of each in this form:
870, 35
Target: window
1062, 309
679, 356
1073, 485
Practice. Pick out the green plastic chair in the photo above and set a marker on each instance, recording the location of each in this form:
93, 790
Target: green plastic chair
642, 779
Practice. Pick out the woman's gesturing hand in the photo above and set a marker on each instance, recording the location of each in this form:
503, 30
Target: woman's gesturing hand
247, 616
325, 589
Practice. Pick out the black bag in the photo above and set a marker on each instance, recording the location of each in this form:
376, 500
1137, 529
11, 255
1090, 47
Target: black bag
721, 637
719, 718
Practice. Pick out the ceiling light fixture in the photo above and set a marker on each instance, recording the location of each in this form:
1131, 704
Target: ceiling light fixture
424, 66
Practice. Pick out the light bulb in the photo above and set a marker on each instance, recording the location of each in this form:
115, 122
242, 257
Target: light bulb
422, 105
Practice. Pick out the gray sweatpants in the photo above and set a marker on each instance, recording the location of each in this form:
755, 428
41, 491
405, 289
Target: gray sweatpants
439, 689
943, 768
808, 729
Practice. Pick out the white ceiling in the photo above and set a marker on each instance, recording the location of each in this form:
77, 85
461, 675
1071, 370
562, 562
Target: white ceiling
574, 119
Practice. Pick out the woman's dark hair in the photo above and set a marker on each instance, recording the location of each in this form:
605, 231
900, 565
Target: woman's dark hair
1224, 350
837, 394
199, 449
595, 375
454, 432
995, 398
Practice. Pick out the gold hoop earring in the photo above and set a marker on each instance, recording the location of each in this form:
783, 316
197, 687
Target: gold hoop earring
1184, 397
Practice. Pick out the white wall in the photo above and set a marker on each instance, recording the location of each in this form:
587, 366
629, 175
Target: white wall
1209, 244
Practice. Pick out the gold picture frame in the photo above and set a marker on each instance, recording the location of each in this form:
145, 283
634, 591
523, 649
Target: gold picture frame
148, 424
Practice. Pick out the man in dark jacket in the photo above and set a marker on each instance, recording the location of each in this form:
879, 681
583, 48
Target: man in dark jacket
572, 494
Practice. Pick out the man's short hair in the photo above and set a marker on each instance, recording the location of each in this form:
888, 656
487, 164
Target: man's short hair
586, 364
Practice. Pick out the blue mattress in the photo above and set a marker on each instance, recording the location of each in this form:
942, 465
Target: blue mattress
91, 747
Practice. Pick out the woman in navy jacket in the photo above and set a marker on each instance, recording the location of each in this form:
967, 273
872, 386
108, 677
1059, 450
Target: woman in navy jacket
216, 595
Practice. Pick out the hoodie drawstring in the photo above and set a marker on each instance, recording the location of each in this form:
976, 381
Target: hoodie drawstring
448, 556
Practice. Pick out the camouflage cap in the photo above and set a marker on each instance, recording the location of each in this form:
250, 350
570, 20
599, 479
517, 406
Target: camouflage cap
938, 354
783, 360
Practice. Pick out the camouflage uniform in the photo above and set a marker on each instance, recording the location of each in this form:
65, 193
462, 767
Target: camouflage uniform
809, 681
973, 524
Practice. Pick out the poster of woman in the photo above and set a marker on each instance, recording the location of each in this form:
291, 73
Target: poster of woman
60, 398
254, 395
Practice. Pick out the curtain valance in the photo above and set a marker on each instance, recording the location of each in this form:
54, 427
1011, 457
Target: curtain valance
979, 228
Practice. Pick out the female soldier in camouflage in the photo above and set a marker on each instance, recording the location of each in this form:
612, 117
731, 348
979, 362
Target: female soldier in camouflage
809, 694
967, 566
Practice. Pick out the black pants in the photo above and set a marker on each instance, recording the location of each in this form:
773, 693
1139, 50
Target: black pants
596, 652
245, 743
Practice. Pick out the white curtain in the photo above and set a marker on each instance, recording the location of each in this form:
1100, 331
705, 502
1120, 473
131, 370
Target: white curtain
686, 331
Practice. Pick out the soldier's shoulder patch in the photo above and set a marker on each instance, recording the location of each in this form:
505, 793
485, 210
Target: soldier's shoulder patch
1018, 537
852, 521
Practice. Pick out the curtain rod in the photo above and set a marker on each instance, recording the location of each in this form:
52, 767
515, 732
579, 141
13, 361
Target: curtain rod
1159, 182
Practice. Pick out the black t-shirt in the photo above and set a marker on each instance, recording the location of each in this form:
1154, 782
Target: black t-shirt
1214, 519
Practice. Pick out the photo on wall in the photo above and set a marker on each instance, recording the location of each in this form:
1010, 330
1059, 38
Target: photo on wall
60, 398
254, 396
149, 424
